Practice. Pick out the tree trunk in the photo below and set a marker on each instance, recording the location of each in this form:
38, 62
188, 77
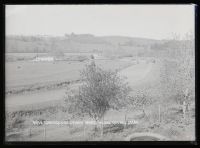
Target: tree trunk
96, 125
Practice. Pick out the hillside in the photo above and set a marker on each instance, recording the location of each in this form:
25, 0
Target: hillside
77, 43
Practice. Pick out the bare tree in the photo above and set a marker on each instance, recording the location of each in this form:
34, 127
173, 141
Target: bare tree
179, 72
185, 74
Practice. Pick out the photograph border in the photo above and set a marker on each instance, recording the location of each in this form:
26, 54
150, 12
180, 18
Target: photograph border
197, 69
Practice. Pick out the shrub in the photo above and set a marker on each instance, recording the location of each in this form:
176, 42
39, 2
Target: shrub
82, 58
92, 56
101, 90
14, 122
140, 99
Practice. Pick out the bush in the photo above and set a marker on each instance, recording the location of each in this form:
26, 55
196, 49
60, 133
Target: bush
14, 122
82, 58
141, 98
101, 90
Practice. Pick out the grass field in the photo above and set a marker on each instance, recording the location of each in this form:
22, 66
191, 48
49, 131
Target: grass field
49, 105
27, 73
39, 76
25, 77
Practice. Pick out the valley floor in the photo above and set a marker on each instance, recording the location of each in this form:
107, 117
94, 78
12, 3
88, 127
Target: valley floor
49, 106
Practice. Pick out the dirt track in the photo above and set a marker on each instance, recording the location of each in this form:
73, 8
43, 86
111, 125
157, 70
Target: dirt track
137, 73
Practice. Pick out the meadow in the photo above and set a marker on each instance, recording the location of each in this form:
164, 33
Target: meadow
28, 72
162, 115
34, 82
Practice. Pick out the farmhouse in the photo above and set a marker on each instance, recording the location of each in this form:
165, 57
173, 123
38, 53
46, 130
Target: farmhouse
44, 58
51, 56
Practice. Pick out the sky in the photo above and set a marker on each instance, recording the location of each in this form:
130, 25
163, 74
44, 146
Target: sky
148, 21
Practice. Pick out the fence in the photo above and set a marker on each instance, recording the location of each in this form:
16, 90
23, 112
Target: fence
104, 126
42, 130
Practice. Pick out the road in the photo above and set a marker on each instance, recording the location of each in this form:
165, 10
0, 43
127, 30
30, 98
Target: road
137, 73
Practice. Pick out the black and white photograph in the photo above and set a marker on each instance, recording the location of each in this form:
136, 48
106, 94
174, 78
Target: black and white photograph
80, 72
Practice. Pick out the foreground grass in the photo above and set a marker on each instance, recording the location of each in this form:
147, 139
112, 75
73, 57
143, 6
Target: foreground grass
172, 125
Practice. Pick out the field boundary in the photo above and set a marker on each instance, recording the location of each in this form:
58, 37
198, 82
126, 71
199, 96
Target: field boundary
40, 87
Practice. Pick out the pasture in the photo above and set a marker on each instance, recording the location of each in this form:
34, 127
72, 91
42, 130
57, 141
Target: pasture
48, 105
39, 77
27, 73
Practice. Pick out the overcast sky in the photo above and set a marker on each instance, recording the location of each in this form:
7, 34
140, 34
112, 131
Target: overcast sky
149, 21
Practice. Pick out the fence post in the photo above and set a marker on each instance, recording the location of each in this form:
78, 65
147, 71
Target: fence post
44, 132
159, 113
125, 119
30, 132
102, 127
84, 129
184, 109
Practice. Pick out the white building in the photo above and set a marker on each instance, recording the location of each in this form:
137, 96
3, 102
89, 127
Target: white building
48, 59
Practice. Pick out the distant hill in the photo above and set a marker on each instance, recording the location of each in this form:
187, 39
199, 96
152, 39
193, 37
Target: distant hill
79, 43
129, 40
